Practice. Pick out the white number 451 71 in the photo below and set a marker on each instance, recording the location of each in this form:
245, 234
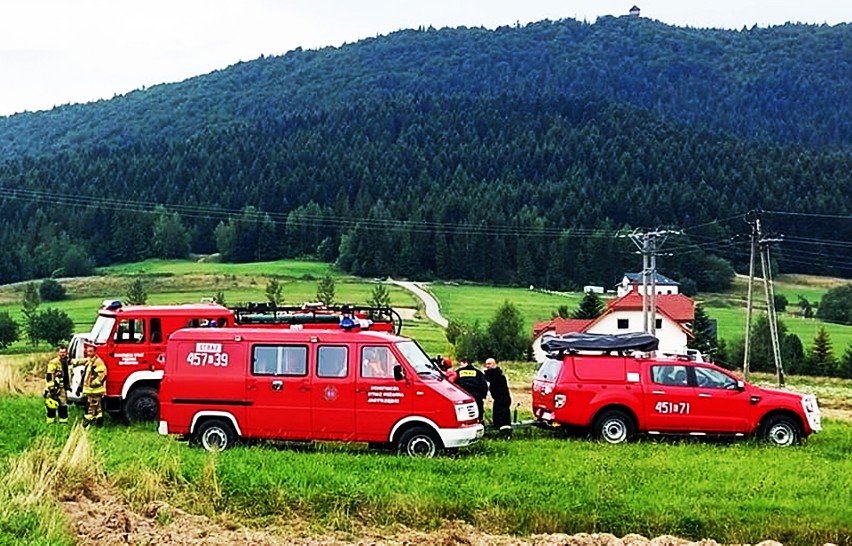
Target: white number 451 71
672, 407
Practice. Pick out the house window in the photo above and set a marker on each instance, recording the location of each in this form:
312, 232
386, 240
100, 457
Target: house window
623, 324
658, 324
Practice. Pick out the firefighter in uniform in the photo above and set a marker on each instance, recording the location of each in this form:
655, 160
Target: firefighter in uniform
94, 385
56, 385
472, 381
499, 387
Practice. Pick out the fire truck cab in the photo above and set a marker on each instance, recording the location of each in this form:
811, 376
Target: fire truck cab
345, 384
131, 340
607, 385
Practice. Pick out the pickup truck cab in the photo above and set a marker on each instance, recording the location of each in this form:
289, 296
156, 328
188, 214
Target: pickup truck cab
348, 385
616, 396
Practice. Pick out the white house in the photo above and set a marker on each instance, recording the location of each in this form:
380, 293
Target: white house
675, 313
632, 282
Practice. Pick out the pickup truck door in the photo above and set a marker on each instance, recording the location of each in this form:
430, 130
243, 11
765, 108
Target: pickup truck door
720, 405
669, 400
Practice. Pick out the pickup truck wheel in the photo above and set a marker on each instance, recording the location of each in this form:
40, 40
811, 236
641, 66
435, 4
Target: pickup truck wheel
141, 405
216, 435
418, 442
780, 431
613, 427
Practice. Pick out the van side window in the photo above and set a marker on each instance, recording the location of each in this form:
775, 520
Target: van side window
332, 362
279, 360
377, 362
130, 331
669, 375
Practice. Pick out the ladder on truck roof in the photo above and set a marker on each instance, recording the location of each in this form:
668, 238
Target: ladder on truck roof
317, 315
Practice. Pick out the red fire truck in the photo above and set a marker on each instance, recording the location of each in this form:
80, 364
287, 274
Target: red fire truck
606, 385
285, 384
131, 340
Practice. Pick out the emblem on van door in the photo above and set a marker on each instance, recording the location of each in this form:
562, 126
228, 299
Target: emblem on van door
330, 393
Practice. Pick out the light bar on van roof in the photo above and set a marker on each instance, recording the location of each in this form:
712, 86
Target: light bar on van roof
111, 304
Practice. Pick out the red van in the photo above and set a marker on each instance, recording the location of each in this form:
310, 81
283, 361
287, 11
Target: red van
597, 382
224, 384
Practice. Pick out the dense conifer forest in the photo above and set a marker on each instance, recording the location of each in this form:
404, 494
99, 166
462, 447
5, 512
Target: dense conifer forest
516, 155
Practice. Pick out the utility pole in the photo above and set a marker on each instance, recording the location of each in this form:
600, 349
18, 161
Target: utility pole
749, 299
649, 243
761, 244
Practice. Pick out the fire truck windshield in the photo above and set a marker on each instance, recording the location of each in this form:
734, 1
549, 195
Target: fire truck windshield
102, 328
416, 357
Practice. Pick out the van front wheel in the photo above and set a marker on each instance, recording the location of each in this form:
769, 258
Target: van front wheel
216, 435
418, 442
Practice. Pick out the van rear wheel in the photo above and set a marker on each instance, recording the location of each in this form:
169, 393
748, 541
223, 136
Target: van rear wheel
613, 427
215, 435
419, 442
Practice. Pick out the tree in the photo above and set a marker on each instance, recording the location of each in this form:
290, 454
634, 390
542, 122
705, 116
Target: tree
136, 293
76, 263
505, 335
170, 237
220, 298
562, 312
467, 339
821, 359
9, 330
704, 331
844, 369
379, 296
325, 290
781, 302
53, 326
274, 291
590, 307
51, 290
761, 348
29, 304
836, 305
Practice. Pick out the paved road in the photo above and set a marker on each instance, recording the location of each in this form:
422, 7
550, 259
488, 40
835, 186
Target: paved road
433, 308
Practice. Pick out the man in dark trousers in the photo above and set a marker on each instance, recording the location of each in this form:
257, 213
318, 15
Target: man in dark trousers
472, 381
499, 388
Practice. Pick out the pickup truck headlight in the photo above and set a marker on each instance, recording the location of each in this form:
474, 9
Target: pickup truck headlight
559, 400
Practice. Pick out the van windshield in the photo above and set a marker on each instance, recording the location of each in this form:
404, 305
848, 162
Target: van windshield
549, 370
418, 359
101, 329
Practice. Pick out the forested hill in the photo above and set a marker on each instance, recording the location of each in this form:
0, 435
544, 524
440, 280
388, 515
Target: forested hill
510, 155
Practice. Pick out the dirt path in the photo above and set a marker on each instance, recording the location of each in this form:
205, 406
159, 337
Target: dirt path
101, 518
433, 308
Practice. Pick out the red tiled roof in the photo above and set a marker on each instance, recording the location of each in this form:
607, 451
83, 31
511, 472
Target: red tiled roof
677, 306
560, 325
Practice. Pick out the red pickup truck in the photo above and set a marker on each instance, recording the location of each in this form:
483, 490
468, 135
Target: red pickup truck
605, 384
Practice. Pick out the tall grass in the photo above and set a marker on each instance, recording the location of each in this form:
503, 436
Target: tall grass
35, 479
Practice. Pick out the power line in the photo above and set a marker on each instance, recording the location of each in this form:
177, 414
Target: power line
809, 214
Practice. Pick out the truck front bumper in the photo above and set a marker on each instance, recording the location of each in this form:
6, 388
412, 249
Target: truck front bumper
460, 437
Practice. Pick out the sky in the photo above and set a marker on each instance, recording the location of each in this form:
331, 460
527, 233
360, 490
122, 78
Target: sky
55, 52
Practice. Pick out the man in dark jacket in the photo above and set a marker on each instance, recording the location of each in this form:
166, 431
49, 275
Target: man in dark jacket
499, 388
472, 381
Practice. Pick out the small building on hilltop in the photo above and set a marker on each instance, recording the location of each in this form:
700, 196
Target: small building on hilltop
675, 313
634, 11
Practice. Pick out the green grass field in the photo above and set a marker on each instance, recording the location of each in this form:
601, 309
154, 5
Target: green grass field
739, 492
471, 303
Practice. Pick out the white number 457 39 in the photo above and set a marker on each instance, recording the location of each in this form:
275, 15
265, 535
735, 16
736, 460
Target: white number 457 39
672, 407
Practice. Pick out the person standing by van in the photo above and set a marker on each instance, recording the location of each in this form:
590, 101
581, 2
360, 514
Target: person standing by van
472, 381
94, 385
56, 383
499, 387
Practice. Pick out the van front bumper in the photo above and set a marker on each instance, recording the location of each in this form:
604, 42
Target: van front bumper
460, 437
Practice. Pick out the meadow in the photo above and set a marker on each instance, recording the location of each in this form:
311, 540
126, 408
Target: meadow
539, 482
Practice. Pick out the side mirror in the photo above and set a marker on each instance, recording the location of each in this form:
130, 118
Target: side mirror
398, 374
740, 385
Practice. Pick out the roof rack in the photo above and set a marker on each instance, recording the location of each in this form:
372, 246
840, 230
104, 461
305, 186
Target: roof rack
574, 341
317, 315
